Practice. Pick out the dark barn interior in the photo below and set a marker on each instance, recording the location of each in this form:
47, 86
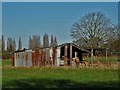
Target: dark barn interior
74, 49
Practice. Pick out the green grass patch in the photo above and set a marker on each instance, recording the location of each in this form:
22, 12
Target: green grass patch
49, 77
103, 59
6, 62
0, 62
57, 77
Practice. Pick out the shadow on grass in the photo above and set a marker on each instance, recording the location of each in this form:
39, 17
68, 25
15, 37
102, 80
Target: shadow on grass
52, 83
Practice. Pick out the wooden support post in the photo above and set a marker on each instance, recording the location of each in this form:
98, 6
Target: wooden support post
65, 55
91, 56
70, 55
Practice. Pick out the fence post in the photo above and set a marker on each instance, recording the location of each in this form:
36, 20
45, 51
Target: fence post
91, 55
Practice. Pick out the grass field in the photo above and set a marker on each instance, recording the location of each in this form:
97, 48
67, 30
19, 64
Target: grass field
57, 77
103, 59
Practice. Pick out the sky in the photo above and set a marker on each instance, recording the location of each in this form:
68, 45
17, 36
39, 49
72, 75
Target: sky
22, 19
60, 0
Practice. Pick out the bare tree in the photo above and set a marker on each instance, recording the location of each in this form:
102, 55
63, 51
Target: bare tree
45, 40
55, 41
92, 30
9, 44
30, 43
19, 44
13, 45
113, 39
36, 41
52, 41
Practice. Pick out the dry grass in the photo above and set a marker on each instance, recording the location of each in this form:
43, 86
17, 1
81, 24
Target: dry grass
99, 65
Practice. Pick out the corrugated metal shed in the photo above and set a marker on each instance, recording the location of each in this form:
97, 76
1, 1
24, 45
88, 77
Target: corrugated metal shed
47, 56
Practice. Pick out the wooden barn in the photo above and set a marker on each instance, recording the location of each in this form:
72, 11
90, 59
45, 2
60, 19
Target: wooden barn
68, 51
56, 56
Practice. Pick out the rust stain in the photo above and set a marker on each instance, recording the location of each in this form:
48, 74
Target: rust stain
26, 58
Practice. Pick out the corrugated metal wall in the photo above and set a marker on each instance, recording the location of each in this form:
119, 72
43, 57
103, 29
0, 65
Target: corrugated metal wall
41, 57
58, 56
21, 58
29, 53
13, 59
51, 56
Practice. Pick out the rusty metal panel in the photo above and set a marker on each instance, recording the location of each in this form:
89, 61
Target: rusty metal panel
29, 58
18, 59
46, 56
21, 59
54, 56
36, 57
16, 55
13, 59
33, 58
40, 57
24, 59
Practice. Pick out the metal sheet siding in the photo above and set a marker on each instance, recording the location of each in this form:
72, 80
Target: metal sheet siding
21, 59
36, 57
51, 55
58, 56
16, 55
41, 57
13, 59
44, 56
54, 56
47, 56
18, 60
24, 61
26, 58
33, 58
29, 57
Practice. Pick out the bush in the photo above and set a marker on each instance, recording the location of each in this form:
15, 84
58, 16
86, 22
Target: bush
6, 55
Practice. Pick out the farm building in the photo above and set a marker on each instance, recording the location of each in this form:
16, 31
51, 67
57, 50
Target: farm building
55, 56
